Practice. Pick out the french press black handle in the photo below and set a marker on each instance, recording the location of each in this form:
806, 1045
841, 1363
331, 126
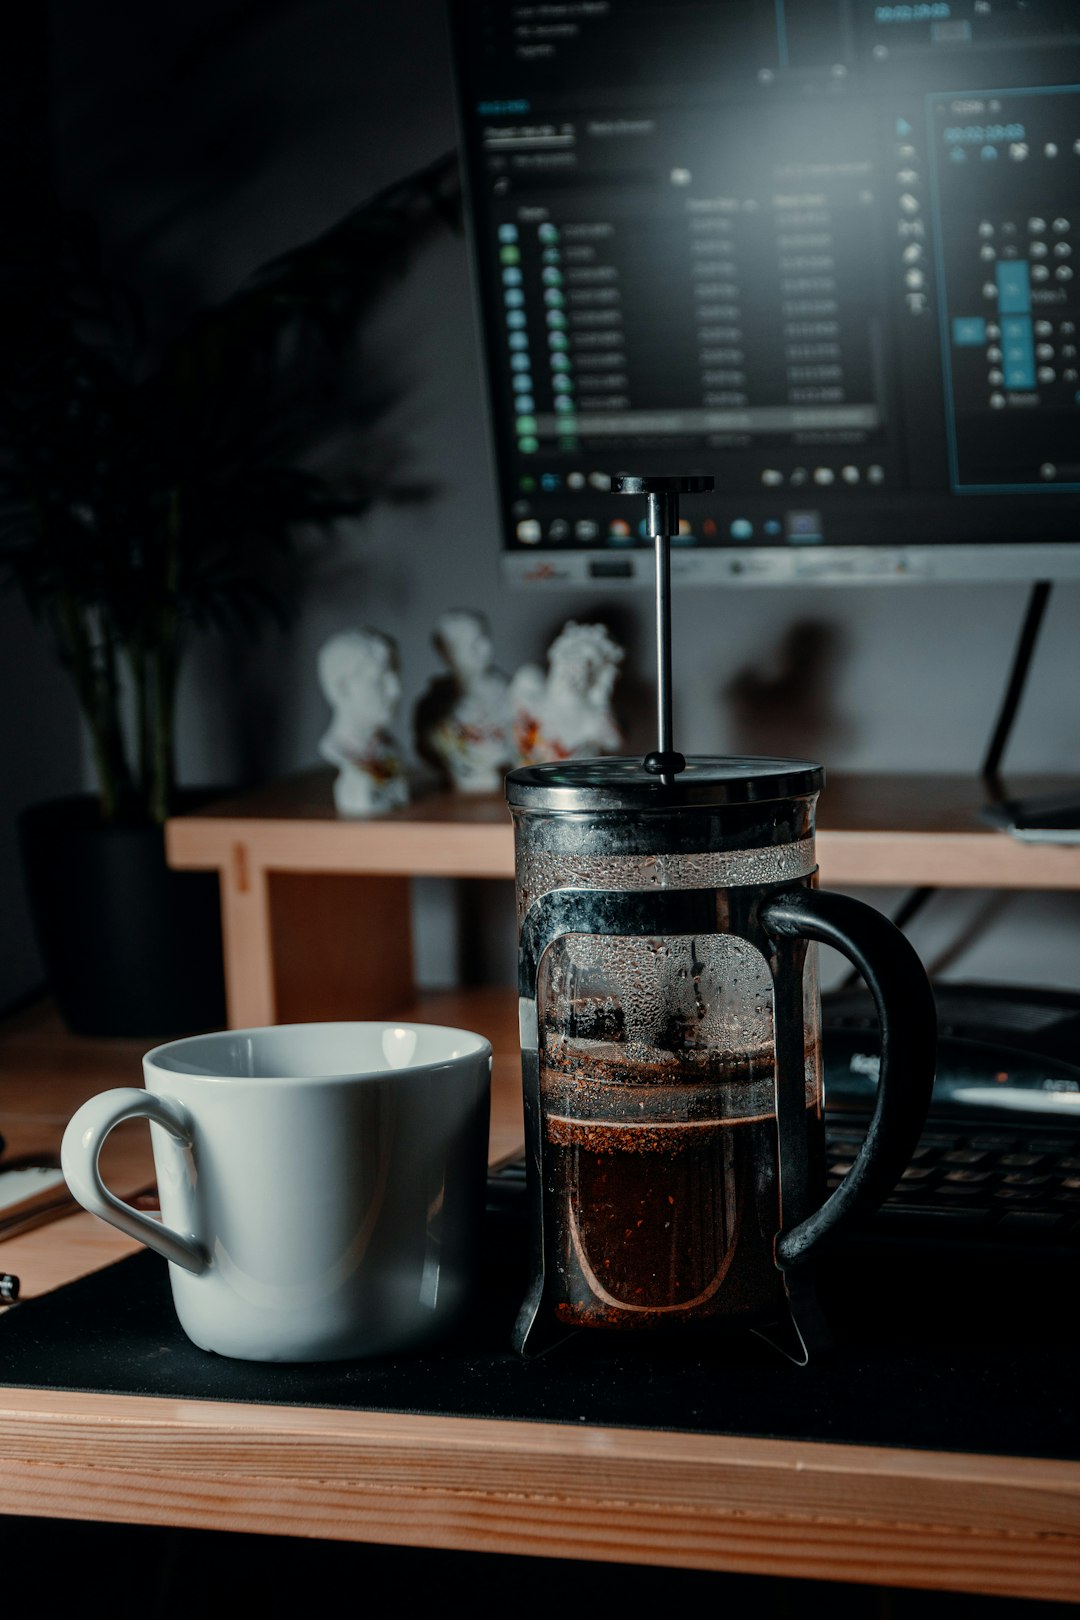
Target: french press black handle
908, 1017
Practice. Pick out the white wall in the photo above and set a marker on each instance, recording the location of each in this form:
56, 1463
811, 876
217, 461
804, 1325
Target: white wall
203, 162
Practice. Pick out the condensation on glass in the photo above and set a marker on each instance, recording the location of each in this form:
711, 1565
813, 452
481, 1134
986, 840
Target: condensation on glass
655, 1060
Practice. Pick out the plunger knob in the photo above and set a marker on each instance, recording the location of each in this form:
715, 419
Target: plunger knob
662, 483
663, 491
664, 764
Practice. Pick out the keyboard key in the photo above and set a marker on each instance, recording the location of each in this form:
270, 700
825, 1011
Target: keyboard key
962, 1220
1030, 1225
1031, 1183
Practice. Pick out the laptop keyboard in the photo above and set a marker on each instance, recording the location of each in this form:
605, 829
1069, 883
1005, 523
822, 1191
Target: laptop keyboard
998, 1184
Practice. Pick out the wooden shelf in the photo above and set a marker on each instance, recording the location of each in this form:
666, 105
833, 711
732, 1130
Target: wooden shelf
873, 828
925, 830
292, 826
315, 907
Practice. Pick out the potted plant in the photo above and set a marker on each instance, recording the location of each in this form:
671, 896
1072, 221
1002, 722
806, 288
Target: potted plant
145, 499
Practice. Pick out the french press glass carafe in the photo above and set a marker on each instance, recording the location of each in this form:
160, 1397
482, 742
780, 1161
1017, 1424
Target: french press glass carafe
670, 1035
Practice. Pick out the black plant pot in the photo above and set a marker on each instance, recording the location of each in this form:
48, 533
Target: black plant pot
130, 946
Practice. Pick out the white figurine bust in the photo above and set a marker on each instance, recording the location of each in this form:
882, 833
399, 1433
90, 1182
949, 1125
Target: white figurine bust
358, 672
462, 722
567, 714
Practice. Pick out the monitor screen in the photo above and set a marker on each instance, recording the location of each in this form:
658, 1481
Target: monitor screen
826, 251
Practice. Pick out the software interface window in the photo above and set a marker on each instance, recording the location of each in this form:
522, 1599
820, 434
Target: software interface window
822, 249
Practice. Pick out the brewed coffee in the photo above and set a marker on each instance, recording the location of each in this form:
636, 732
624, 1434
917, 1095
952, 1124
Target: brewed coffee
662, 1179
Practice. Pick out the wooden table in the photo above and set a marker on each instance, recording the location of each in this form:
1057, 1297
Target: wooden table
316, 908
984, 1524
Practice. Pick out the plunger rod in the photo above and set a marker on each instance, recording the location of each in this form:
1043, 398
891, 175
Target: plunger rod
663, 520
662, 493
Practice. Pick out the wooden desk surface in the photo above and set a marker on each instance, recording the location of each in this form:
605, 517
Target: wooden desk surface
985, 1524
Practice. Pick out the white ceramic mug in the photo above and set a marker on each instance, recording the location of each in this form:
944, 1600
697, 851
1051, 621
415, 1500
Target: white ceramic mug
321, 1185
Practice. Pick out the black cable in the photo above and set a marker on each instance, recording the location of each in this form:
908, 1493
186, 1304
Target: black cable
1025, 647
913, 904
1010, 703
908, 908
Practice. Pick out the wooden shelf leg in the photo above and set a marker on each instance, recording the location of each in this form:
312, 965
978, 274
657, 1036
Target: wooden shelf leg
246, 937
304, 946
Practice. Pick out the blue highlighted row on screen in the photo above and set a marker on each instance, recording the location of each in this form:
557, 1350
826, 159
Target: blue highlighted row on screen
1014, 286
1018, 350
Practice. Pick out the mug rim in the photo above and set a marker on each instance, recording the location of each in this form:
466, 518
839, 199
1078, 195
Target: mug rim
478, 1046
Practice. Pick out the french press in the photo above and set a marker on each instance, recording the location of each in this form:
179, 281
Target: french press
670, 1032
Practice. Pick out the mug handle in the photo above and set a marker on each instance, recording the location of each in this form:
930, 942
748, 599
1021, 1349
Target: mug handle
907, 1014
81, 1148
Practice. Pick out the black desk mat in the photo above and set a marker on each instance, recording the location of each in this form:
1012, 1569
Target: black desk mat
962, 1352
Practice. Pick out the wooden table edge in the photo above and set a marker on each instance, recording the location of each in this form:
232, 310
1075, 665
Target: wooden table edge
990, 1524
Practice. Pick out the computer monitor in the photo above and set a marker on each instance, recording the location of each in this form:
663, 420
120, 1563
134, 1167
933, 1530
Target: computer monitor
826, 250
